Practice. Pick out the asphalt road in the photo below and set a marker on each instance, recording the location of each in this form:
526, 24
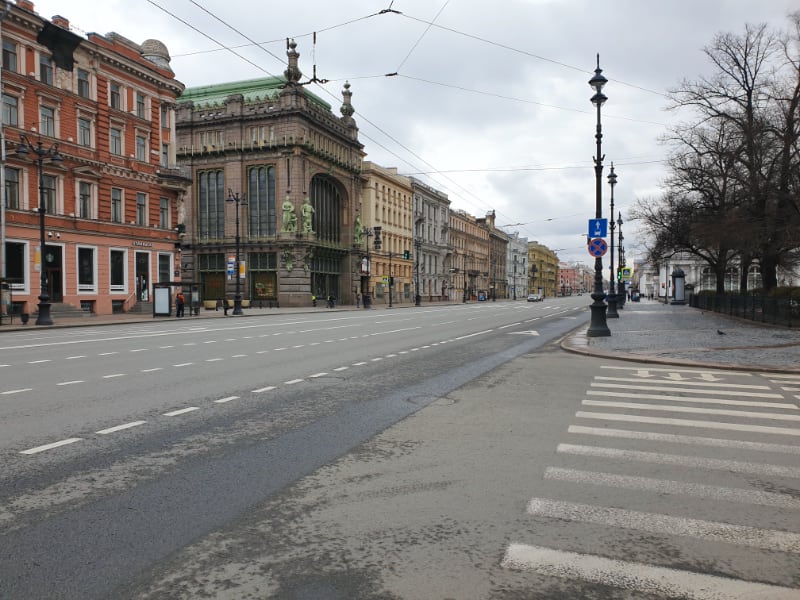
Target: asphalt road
123, 445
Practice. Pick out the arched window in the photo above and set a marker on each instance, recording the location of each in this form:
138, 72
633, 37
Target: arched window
211, 204
754, 277
261, 201
327, 202
707, 279
731, 279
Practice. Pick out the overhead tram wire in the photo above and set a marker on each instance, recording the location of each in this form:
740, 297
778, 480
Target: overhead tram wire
419, 39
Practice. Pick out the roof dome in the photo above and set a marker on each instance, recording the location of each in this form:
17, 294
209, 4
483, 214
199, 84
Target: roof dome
156, 52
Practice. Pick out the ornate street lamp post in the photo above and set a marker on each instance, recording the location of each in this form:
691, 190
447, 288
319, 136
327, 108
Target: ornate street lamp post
612, 286
598, 326
25, 147
621, 293
417, 296
237, 298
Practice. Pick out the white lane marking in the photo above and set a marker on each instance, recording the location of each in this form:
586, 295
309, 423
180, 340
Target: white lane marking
190, 344
668, 370
264, 389
165, 347
693, 410
38, 449
682, 461
772, 376
181, 411
186, 364
665, 486
390, 355
20, 390
341, 368
376, 359
210, 342
113, 375
153, 369
689, 382
787, 405
359, 364
36, 362
239, 356
714, 531
227, 399
120, 427
688, 423
629, 575
279, 349
657, 388
138, 350
300, 346
292, 381
314, 344
107, 353
71, 382
318, 375
684, 439
214, 359
1, 366
74, 357
262, 351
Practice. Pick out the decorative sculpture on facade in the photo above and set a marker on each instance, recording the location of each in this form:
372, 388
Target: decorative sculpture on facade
289, 218
307, 213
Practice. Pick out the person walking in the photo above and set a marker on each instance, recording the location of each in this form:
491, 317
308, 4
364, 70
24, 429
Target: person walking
358, 300
180, 303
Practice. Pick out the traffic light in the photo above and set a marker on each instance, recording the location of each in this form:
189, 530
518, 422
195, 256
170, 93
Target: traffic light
619, 274
406, 254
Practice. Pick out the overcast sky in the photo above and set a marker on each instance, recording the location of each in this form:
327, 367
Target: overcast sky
490, 101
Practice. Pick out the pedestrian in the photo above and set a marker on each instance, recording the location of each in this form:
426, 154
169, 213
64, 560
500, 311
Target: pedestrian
225, 306
180, 302
358, 300
313, 300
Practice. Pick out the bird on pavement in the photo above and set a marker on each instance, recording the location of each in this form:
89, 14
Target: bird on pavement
720, 332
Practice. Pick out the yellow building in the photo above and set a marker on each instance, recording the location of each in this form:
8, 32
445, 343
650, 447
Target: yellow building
386, 215
543, 276
470, 261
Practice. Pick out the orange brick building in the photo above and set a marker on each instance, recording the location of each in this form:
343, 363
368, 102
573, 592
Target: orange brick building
113, 205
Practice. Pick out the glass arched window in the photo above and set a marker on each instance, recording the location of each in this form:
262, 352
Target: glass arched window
754, 277
211, 204
327, 201
707, 279
731, 279
261, 201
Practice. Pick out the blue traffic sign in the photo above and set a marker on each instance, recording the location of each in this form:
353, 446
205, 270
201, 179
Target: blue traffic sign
598, 247
598, 228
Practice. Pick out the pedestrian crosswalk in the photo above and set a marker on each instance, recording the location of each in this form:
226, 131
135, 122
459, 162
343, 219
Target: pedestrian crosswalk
703, 462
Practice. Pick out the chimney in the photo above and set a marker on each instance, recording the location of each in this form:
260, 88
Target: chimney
60, 21
25, 4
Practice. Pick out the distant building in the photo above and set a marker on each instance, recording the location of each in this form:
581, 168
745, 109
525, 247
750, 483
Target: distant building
431, 240
517, 266
113, 205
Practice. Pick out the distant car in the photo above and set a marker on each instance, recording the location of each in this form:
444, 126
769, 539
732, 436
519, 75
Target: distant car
534, 298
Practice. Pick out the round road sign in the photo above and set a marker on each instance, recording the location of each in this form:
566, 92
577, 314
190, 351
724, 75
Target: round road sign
598, 247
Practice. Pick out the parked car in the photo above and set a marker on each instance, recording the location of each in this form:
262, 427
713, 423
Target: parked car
534, 298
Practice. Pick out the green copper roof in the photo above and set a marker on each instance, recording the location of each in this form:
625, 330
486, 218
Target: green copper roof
252, 90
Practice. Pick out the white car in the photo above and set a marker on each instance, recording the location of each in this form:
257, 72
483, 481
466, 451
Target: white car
534, 298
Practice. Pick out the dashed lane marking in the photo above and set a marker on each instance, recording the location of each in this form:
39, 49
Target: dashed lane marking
226, 399
113, 375
120, 427
71, 382
58, 444
264, 389
19, 391
181, 411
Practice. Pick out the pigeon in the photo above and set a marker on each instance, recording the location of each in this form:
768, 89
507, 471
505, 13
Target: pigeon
720, 332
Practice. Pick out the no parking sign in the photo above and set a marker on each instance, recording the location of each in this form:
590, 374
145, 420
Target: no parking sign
598, 247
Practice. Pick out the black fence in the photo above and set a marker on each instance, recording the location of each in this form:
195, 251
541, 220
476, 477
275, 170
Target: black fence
777, 310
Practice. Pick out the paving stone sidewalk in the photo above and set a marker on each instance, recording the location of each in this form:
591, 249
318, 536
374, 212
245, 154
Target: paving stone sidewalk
652, 331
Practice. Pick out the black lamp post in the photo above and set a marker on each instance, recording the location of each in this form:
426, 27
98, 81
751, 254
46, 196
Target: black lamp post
621, 293
24, 147
534, 289
417, 296
391, 279
237, 298
612, 286
598, 326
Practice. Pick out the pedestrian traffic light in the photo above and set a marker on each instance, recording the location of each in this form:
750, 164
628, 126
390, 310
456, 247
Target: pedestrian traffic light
406, 254
619, 274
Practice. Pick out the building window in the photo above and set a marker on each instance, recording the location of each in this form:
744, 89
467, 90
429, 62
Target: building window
10, 56
116, 205
49, 194
84, 200
84, 91
140, 105
12, 188
115, 96
16, 271
164, 268
86, 269
261, 201
47, 121
45, 69
84, 132
10, 110
165, 155
164, 115
211, 204
163, 213
141, 148
115, 141
117, 269
141, 208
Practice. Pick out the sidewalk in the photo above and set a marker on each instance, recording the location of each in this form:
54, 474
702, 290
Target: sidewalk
651, 331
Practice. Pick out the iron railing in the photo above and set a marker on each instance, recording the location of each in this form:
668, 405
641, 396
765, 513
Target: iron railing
776, 310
